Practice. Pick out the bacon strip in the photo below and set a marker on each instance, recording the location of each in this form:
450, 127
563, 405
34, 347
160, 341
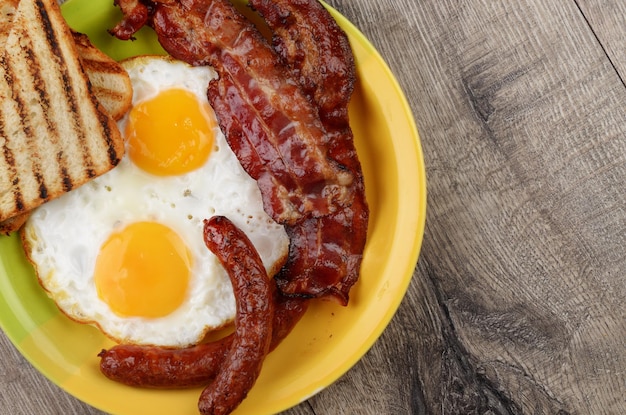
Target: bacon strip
278, 135
136, 16
322, 260
317, 50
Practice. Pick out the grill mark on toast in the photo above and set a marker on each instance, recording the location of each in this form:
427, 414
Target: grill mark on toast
44, 99
43, 190
22, 109
103, 118
40, 88
10, 161
8, 154
67, 180
40, 67
104, 67
105, 93
109, 80
77, 123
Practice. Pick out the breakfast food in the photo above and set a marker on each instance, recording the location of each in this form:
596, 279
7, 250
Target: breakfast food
255, 314
317, 51
296, 177
168, 182
276, 130
320, 253
156, 367
313, 46
7, 14
55, 135
14, 223
290, 135
109, 83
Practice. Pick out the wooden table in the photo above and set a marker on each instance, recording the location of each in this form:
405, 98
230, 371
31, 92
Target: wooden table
517, 302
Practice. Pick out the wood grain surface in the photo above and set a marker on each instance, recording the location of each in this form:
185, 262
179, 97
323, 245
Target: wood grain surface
517, 303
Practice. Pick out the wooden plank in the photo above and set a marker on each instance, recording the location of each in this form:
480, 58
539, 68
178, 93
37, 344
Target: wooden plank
521, 116
607, 19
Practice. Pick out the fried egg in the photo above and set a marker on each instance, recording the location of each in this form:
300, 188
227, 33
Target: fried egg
125, 252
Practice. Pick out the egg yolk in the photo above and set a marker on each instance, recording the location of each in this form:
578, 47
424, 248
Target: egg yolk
170, 134
143, 270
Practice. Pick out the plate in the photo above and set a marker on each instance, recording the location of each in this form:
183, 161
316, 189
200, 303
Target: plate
330, 338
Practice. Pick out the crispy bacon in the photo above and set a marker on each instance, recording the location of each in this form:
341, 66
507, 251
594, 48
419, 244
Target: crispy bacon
136, 16
317, 51
268, 121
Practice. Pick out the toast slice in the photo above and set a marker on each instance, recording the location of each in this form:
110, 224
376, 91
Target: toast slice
109, 80
7, 14
13, 224
54, 134
110, 84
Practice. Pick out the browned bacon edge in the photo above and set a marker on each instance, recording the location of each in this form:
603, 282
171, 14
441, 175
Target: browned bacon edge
317, 51
136, 16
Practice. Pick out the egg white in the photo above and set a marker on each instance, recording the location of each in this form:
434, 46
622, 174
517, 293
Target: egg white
63, 237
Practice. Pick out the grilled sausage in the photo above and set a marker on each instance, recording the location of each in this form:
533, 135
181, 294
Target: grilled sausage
156, 367
253, 323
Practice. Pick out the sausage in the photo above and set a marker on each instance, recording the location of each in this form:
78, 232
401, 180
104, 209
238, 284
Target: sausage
253, 322
157, 367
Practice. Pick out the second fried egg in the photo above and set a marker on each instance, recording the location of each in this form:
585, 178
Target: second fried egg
125, 251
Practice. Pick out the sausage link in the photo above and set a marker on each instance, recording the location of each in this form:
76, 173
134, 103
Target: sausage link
253, 322
156, 367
